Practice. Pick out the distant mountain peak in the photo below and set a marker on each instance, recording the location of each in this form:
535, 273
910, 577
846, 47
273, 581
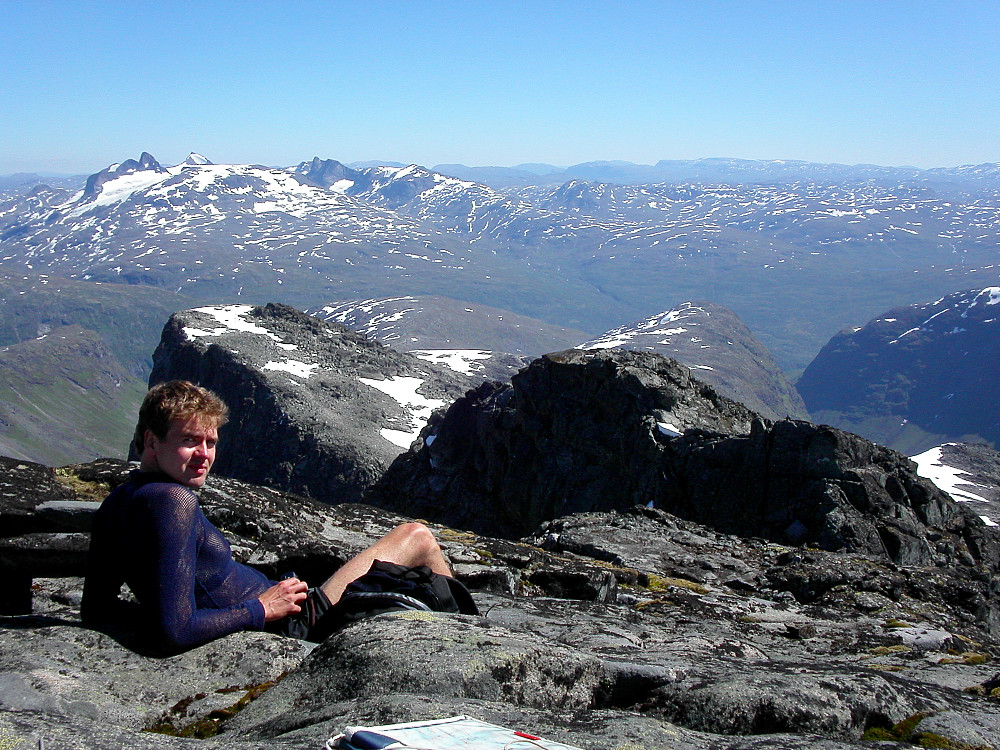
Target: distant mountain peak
915, 376
146, 163
328, 173
194, 159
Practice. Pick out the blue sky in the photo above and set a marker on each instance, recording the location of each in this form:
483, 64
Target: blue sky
84, 84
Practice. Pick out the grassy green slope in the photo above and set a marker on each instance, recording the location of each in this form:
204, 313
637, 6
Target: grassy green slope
74, 360
65, 398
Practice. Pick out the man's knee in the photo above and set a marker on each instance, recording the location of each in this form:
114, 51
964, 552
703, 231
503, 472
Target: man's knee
415, 538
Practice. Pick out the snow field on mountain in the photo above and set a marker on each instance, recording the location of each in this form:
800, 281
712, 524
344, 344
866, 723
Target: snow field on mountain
230, 318
403, 389
293, 367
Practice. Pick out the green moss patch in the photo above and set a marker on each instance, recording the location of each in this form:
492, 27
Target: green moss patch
208, 726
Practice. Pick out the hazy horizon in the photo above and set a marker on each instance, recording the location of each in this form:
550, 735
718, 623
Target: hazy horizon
168, 163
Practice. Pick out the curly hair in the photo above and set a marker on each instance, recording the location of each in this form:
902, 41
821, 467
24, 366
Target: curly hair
177, 399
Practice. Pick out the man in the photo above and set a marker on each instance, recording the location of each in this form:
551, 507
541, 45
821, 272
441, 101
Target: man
152, 534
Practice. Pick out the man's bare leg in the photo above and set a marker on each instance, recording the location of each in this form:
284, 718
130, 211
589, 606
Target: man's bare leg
410, 544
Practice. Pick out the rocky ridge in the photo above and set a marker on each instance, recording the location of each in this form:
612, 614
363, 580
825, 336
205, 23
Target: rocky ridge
722, 351
469, 338
318, 409
610, 429
474, 338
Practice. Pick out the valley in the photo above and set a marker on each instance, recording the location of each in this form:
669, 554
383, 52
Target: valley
796, 252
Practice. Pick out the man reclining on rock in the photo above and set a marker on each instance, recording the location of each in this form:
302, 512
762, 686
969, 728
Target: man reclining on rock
152, 534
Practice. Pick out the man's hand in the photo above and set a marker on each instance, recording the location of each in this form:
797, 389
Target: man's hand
283, 599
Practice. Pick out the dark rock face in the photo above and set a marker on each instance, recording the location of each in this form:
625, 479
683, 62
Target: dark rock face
325, 172
311, 405
928, 367
719, 349
600, 431
573, 432
626, 629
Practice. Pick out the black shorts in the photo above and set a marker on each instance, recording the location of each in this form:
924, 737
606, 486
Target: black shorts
304, 624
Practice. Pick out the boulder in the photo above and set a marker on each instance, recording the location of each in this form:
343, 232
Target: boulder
597, 431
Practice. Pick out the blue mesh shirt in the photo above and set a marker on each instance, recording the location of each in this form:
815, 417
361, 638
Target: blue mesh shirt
151, 534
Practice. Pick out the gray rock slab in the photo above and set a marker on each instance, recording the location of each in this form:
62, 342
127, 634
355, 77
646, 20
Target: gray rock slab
979, 727
58, 668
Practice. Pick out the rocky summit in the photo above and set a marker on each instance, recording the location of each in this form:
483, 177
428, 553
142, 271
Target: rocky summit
607, 430
318, 410
657, 567
719, 348
621, 630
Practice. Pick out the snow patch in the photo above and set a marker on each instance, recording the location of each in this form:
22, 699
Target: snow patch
293, 367
948, 479
120, 188
610, 341
669, 429
994, 293
403, 389
459, 360
230, 318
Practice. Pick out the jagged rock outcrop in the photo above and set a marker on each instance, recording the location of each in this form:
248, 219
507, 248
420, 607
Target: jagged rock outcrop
608, 430
315, 408
719, 348
146, 163
326, 172
628, 629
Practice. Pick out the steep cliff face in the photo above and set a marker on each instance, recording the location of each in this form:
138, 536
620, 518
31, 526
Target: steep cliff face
315, 408
609, 430
916, 376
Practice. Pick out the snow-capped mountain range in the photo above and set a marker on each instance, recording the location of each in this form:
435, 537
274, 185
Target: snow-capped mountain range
582, 255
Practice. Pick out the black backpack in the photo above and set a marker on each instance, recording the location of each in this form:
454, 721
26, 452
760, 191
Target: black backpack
388, 587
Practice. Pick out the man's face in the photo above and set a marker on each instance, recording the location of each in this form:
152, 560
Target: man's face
185, 454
